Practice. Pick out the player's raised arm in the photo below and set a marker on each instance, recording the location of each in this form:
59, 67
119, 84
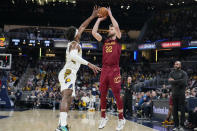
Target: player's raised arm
115, 23
86, 23
95, 33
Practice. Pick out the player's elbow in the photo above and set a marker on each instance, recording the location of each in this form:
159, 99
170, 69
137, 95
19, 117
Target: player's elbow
93, 33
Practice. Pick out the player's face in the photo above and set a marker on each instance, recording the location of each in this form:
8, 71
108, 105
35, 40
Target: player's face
111, 32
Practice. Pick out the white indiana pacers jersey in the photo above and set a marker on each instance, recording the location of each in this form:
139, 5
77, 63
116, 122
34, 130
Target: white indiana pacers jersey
67, 75
71, 64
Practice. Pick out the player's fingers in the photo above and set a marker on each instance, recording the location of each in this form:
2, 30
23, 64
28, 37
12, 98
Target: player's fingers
99, 69
93, 69
96, 70
94, 74
104, 18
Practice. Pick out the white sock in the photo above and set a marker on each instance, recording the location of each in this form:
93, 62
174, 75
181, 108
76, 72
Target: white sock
63, 118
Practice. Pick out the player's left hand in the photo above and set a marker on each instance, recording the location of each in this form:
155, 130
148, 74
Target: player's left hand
95, 11
109, 11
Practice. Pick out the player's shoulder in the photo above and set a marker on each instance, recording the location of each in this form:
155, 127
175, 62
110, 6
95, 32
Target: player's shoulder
184, 72
75, 44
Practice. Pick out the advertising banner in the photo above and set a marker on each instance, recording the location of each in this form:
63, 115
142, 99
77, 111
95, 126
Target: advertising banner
147, 46
171, 44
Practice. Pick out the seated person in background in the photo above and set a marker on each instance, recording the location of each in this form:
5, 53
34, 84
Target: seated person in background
76, 103
192, 119
85, 101
142, 100
18, 96
147, 106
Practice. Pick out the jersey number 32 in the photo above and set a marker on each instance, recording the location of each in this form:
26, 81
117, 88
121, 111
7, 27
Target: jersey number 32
108, 49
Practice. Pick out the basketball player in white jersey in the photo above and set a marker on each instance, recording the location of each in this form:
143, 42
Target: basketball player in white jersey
67, 75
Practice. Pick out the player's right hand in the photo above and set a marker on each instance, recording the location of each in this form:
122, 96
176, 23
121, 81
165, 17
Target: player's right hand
102, 18
94, 68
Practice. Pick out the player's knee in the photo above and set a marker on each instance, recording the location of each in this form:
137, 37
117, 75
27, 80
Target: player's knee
116, 92
102, 88
66, 95
103, 94
103, 97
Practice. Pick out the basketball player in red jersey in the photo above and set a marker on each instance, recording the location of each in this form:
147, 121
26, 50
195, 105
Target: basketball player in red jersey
110, 74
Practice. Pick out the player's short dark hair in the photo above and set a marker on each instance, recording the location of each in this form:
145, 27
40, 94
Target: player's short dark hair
111, 25
70, 33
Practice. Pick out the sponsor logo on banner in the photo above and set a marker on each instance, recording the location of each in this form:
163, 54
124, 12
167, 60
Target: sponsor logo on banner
160, 110
171, 44
193, 43
147, 46
89, 46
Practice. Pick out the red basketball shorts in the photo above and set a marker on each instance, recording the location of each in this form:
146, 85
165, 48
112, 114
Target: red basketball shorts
110, 78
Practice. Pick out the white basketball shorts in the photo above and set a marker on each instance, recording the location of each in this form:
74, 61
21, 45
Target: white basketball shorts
67, 78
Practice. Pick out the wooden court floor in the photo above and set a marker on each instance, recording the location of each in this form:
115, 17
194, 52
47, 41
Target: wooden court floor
46, 120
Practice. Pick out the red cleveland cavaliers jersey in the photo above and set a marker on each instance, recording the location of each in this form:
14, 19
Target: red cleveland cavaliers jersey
111, 53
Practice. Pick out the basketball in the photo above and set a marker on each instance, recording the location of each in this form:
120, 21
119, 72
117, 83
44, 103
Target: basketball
102, 12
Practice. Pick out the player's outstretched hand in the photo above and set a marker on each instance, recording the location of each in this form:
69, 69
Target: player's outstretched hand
109, 11
95, 12
94, 68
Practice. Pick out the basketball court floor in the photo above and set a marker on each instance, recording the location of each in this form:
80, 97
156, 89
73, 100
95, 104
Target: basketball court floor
46, 120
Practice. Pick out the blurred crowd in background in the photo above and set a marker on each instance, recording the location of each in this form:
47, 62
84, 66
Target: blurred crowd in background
177, 24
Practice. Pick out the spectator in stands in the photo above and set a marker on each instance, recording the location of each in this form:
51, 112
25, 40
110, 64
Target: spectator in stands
192, 119
144, 98
154, 95
18, 96
163, 96
97, 103
193, 93
76, 103
147, 106
12, 97
85, 101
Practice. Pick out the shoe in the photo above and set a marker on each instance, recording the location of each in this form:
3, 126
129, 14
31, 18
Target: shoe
175, 129
164, 122
181, 129
121, 124
103, 122
170, 122
62, 128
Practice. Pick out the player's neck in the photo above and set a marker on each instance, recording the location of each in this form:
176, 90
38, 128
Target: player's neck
112, 38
